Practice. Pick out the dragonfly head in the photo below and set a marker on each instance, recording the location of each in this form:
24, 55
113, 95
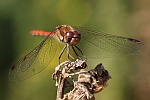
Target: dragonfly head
72, 37
67, 34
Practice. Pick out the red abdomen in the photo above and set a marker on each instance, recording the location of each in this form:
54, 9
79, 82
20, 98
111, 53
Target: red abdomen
39, 33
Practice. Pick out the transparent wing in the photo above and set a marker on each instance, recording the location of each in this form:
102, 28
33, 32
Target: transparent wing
96, 44
35, 61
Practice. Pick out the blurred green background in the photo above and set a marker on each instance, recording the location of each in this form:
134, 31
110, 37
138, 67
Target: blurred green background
131, 18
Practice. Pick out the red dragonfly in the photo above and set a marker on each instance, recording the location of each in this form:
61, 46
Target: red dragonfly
82, 41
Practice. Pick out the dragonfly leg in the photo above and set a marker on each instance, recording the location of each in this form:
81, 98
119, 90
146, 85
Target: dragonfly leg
62, 51
71, 56
76, 53
80, 52
68, 52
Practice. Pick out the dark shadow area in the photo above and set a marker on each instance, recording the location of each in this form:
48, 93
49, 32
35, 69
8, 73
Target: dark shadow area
6, 52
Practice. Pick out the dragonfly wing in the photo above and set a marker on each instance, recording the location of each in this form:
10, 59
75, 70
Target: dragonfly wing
35, 61
96, 44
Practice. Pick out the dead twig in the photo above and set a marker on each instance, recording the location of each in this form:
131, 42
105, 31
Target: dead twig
85, 86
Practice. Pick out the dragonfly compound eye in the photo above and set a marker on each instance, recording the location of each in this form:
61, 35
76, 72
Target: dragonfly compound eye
76, 38
68, 36
72, 37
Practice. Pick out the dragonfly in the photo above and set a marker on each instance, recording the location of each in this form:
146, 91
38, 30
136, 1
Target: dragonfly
84, 42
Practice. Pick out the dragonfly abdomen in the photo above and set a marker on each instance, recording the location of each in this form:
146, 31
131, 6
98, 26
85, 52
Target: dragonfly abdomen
39, 33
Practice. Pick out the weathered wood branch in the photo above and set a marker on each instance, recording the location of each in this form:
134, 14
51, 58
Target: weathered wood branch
85, 86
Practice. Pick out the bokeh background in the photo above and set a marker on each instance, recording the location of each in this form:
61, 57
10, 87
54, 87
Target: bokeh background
130, 18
